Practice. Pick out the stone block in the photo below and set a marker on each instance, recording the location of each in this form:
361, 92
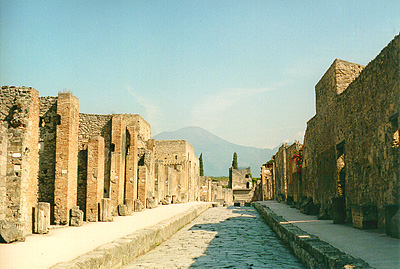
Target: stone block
129, 204
338, 210
168, 198
42, 218
9, 232
390, 212
76, 218
365, 216
165, 202
138, 205
122, 210
151, 202
106, 210
174, 199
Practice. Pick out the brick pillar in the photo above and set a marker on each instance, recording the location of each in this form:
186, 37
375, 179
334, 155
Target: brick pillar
118, 154
142, 184
131, 165
65, 185
95, 177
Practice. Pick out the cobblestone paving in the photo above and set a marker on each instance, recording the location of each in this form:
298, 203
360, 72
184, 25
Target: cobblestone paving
221, 237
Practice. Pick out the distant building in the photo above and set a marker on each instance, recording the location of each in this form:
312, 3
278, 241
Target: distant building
241, 183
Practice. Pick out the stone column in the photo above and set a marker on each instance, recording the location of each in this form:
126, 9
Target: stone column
142, 184
131, 165
95, 177
42, 218
65, 186
117, 174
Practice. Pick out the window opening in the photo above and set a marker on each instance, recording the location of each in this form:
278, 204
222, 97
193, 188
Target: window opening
341, 172
394, 122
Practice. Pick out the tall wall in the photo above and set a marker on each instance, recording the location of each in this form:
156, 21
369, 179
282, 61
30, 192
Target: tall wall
368, 115
351, 147
142, 127
280, 173
20, 109
3, 169
179, 155
95, 177
131, 164
118, 155
48, 122
65, 187
49, 152
267, 181
92, 125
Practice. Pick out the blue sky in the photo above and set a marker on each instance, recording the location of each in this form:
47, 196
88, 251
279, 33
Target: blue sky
243, 70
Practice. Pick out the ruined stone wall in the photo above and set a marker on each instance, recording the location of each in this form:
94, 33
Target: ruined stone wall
162, 174
3, 168
205, 189
143, 128
131, 164
349, 148
267, 181
320, 175
19, 107
118, 155
65, 190
95, 177
368, 116
193, 174
48, 121
280, 172
293, 176
240, 178
91, 125
179, 155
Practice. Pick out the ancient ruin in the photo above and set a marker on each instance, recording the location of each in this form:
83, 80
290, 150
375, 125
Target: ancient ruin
62, 167
348, 168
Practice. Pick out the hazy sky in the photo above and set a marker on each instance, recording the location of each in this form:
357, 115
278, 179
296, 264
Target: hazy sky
243, 70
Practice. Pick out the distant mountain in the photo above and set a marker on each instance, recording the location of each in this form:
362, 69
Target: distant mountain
217, 152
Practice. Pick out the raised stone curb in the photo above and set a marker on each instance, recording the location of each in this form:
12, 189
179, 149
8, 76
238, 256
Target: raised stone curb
123, 250
312, 251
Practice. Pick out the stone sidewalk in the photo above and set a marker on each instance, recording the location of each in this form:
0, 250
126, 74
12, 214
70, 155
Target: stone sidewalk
377, 249
65, 244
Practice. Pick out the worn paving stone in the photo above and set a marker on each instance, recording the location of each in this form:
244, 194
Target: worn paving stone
221, 237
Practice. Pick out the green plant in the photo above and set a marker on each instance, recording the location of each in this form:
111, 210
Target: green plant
234, 161
201, 165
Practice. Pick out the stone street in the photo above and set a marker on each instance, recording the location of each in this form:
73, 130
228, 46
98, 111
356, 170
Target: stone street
221, 237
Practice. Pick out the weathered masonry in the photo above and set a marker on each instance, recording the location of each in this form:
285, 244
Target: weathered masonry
349, 167
241, 183
63, 167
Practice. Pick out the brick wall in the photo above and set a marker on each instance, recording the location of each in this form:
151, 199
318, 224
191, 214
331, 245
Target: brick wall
95, 177
142, 182
131, 164
118, 155
65, 190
